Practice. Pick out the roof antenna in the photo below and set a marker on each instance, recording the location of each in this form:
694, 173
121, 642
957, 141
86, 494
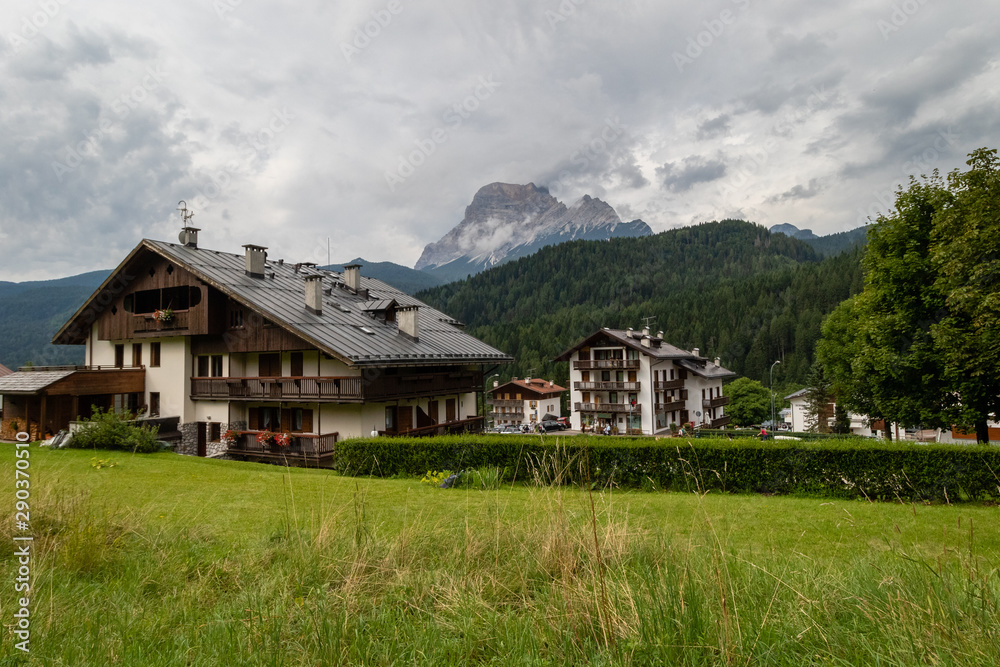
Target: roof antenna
185, 214
647, 321
189, 234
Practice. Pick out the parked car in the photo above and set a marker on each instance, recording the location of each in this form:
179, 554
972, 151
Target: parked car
508, 429
552, 425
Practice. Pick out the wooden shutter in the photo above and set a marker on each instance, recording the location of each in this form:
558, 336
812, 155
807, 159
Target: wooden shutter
286, 419
449, 410
296, 369
253, 419
307, 421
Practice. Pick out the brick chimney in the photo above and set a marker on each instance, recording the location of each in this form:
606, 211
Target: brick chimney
695, 352
256, 258
407, 321
314, 294
352, 276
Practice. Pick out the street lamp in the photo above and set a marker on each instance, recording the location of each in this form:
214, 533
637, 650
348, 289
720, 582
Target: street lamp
771, 373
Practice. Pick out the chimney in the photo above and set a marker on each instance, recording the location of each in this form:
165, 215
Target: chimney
314, 294
718, 361
645, 341
352, 276
406, 320
695, 352
629, 332
659, 334
551, 383
189, 237
256, 258
645, 331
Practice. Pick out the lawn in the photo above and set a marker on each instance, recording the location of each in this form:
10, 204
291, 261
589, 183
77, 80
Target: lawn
168, 560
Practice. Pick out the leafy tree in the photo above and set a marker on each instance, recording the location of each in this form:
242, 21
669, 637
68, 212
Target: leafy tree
966, 256
925, 348
749, 401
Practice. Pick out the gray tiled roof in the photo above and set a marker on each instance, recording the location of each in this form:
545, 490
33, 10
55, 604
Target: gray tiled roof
706, 369
29, 382
281, 299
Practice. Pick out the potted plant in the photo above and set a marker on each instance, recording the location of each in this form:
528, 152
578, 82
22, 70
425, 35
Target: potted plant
230, 438
163, 315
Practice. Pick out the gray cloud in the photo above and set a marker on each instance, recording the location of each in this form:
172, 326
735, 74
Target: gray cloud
811, 111
695, 169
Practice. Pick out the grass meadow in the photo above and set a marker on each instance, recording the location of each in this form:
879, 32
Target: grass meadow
167, 560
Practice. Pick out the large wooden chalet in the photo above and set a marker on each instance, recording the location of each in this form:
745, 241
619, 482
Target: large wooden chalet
226, 342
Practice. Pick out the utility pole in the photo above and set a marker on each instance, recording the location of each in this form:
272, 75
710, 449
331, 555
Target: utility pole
778, 361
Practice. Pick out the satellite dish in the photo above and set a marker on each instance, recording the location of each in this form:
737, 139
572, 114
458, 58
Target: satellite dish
697, 413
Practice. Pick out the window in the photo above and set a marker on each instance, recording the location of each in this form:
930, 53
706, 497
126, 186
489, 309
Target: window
296, 370
236, 318
269, 365
137, 354
633, 355
154, 355
586, 376
270, 419
119, 356
146, 301
202, 366
390, 418
605, 376
620, 376
519, 396
154, 404
214, 431
216, 365
613, 397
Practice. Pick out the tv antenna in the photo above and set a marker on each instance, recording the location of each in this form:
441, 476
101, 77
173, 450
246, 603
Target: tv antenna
648, 321
186, 215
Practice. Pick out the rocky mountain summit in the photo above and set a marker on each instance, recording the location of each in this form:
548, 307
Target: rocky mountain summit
506, 221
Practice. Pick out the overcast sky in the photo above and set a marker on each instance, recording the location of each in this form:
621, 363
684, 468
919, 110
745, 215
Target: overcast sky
375, 122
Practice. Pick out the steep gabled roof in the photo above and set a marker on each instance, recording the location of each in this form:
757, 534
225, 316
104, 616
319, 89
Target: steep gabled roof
706, 369
4, 370
620, 336
343, 330
537, 385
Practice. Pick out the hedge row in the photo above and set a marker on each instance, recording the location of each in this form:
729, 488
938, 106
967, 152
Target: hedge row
845, 468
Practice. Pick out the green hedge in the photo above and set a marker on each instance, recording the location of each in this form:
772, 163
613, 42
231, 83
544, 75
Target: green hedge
847, 468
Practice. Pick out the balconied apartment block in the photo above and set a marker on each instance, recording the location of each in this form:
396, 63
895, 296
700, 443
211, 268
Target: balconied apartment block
524, 402
638, 383
223, 342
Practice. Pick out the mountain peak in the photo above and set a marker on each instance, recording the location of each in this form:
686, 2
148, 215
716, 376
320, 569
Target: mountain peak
507, 220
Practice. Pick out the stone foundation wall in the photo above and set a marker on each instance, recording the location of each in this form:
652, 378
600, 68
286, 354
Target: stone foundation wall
188, 445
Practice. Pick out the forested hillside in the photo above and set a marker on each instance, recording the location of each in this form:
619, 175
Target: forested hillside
730, 288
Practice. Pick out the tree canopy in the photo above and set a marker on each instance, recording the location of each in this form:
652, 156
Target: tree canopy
920, 344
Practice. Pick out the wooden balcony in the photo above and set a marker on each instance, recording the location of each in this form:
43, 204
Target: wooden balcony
614, 408
346, 389
511, 412
343, 389
304, 448
668, 385
717, 402
469, 425
670, 407
147, 323
605, 364
607, 386
501, 403
721, 421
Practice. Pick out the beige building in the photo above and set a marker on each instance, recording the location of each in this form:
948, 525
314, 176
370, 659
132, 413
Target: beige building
636, 382
524, 402
242, 343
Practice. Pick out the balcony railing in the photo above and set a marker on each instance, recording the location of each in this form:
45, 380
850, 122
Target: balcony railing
717, 402
670, 407
721, 421
279, 389
344, 389
511, 412
607, 386
602, 364
501, 403
623, 408
144, 323
302, 445
668, 385
471, 424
